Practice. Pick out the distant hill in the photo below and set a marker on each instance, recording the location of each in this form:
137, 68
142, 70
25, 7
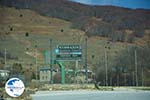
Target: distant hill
107, 21
22, 30
26, 26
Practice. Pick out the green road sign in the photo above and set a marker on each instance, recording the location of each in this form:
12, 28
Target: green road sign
47, 57
68, 52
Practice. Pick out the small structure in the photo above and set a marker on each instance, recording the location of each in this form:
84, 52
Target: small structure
4, 75
45, 74
81, 76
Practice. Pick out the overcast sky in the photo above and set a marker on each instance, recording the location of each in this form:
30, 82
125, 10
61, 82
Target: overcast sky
122, 3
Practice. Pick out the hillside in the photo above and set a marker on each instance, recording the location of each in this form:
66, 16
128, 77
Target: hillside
114, 21
21, 30
113, 35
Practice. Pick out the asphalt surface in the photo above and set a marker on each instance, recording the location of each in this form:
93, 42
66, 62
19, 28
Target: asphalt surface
92, 95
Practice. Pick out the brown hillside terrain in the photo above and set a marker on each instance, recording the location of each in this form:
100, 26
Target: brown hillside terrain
114, 41
17, 23
115, 19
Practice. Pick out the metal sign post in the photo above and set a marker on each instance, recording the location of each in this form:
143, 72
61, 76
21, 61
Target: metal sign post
76, 69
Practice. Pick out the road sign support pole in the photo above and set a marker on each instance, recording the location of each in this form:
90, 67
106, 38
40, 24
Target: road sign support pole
76, 69
62, 75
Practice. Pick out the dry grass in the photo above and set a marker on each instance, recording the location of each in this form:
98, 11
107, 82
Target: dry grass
41, 29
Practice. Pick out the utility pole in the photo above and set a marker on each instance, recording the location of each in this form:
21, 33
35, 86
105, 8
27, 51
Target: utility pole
110, 81
5, 57
125, 76
118, 80
142, 69
136, 74
51, 61
142, 76
106, 68
86, 67
133, 79
125, 79
36, 62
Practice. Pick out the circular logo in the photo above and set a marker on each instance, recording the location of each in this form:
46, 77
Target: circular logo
14, 87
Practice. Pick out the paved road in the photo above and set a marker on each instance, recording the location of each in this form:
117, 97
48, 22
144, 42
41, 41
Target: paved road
92, 95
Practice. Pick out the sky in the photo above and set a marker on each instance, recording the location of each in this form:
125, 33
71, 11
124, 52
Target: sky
134, 4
